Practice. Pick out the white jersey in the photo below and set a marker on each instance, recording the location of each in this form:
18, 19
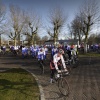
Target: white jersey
15, 47
73, 52
56, 59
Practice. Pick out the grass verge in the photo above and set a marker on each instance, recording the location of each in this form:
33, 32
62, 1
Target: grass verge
18, 84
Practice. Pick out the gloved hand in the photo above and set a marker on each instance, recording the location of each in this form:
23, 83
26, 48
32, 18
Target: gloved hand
65, 70
59, 71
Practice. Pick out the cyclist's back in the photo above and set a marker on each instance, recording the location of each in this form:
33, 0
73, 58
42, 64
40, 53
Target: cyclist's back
40, 55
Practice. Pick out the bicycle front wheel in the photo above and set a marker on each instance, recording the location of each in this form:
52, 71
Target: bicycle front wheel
63, 86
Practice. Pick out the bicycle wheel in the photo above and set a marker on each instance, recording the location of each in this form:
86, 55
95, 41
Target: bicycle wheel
63, 86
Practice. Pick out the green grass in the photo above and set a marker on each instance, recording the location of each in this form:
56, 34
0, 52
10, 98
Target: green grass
91, 54
18, 84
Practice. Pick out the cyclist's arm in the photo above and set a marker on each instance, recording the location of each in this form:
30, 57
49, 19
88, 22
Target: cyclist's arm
55, 62
63, 62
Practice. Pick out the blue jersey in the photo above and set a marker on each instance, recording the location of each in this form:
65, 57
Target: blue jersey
24, 50
40, 55
54, 51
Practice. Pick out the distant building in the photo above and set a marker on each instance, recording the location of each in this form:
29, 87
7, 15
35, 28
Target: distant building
64, 42
11, 42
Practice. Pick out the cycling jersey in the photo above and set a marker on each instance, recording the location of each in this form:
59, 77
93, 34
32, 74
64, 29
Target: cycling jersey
54, 51
23, 50
56, 59
40, 55
73, 52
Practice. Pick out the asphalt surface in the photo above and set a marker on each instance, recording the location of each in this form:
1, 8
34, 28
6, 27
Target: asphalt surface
84, 81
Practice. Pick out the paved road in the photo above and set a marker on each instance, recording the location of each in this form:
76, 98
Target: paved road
84, 80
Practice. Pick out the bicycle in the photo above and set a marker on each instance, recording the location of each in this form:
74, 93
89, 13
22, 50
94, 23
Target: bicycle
41, 66
62, 83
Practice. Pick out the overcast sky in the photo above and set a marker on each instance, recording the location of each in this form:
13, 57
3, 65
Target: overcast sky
42, 6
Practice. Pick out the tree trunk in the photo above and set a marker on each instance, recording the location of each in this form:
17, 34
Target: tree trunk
18, 39
79, 39
32, 40
55, 41
15, 42
85, 43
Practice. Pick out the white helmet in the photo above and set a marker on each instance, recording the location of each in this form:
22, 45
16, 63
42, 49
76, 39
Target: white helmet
61, 51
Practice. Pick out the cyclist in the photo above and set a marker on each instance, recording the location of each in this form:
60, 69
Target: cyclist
57, 63
3, 48
73, 50
35, 52
68, 49
24, 52
40, 55
45, 52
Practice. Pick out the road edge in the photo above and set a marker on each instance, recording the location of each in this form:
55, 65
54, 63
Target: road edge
42, 97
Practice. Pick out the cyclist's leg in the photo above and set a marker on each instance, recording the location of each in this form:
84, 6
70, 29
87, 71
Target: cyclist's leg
52, 77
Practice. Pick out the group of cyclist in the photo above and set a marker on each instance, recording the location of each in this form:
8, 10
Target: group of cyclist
57, 59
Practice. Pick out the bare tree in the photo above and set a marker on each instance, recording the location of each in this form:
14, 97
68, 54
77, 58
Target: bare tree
32, 24
76, 28
29, 38
2, 19
17, 23
44, 38
70, 33
57, 20
89, 14
92, 39
97, 39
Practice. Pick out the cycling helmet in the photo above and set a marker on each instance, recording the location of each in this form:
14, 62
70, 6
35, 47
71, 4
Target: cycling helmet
61, 51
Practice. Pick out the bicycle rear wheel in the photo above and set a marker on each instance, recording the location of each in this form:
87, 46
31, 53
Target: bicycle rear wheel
63, 86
